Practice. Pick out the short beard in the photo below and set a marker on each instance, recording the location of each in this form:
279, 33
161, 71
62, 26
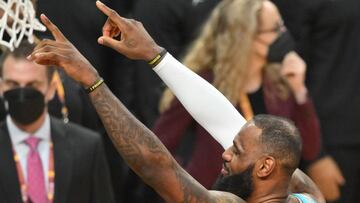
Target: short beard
241, 184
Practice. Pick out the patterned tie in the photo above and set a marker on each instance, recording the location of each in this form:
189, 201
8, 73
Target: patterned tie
36, 181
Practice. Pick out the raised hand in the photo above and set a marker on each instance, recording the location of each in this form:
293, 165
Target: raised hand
60, 52
127, 36
328, 177
293, 69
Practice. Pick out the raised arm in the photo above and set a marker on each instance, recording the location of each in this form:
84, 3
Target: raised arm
206, 104
141, 149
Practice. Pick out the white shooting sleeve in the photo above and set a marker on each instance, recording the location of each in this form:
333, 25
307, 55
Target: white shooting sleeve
204, 102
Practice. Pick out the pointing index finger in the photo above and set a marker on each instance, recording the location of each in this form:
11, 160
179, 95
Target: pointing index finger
113, 15
58, 35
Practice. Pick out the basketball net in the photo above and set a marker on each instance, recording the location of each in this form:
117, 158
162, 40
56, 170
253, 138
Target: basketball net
17, 21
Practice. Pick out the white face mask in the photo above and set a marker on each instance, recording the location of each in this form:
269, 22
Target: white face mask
24, 21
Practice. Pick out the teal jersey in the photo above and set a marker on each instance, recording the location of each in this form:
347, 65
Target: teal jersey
303, 198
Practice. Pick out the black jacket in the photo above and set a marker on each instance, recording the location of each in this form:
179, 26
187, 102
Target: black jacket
81, 171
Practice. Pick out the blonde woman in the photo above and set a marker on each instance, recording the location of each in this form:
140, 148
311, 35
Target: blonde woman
246, 52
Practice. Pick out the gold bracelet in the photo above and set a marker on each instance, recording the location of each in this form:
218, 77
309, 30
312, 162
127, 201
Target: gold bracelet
155, 61
97, 84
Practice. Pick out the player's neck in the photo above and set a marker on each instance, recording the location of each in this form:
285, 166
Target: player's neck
270, 191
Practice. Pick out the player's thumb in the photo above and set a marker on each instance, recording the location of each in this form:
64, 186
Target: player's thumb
109, 42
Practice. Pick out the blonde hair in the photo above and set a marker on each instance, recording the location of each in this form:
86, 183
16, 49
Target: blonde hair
224, 46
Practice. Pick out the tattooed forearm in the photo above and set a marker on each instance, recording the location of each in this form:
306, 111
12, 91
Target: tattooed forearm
144, 152
137, 144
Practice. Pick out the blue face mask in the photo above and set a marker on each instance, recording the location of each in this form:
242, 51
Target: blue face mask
25, 105
280, 47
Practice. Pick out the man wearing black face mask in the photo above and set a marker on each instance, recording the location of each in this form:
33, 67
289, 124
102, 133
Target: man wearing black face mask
42, 159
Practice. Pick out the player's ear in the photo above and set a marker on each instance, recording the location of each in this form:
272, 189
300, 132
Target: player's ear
265, 166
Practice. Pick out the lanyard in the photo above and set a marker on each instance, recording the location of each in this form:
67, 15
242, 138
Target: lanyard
245, 106
61, 95
51, 176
